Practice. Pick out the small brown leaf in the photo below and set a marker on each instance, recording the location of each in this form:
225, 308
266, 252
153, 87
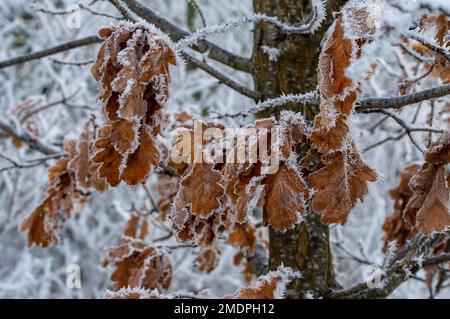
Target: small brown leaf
339, 184
286, 195
142, 161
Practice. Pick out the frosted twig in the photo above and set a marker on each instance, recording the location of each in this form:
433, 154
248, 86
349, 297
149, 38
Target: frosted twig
28, 139
309, 27
222, 78
74, 63
29, 164
81, 6
50, 51
47, 106
408, 129
400, 101
272, 103
197, 8
416, 36
385, 140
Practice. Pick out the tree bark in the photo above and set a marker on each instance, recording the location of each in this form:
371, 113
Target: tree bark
306, 248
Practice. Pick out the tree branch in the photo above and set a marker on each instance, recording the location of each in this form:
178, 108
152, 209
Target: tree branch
400, 269
28, 139
51, 51
222, 78
176, 33
400, 101
433, 47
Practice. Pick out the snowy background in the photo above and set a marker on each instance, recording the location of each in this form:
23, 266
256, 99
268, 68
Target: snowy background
27, 26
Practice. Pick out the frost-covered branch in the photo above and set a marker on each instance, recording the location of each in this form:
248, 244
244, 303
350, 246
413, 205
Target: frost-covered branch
50, 51
404, 100
405, 264
132, 8
81, 6
197, 8
28, 164
432, 45
222, 78
385, 140
31, 141
319, 15
273, 103
47, 106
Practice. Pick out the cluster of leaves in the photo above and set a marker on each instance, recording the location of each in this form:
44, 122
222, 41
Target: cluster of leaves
133, 68
136, 263
231, 191
70, 180
343, 178
421, 200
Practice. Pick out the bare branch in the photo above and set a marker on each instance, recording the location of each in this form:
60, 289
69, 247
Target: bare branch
74, 63
385, 140
31, 141
29, 164
222, 78
47, 106
81, 6
401, 101
176, 33
408, 129
197, 8
50, 51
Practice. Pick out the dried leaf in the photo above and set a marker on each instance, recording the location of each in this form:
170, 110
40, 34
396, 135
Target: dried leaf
200, 190
394, 226
428, 209
339, 184
142, 161
244, 237
139, 265
207, 259
286, 195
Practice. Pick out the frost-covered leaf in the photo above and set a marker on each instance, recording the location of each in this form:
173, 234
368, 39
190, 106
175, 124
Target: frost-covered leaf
139, 265
428, 208
243, 236
286, 196
340, 184
200, 190
394, 227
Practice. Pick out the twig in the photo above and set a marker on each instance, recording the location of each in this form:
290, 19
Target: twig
400, 101
50, 51
385, 140
75, 63
28, 139
29, 164
47, 106
222, 78
272, 103
197, 8
433, 47
405, 126
200, 34
81, 6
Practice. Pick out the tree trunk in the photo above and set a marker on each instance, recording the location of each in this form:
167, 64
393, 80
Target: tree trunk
306, 248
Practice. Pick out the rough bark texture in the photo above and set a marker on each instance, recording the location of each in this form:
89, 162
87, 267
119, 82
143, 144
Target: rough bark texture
305, 248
